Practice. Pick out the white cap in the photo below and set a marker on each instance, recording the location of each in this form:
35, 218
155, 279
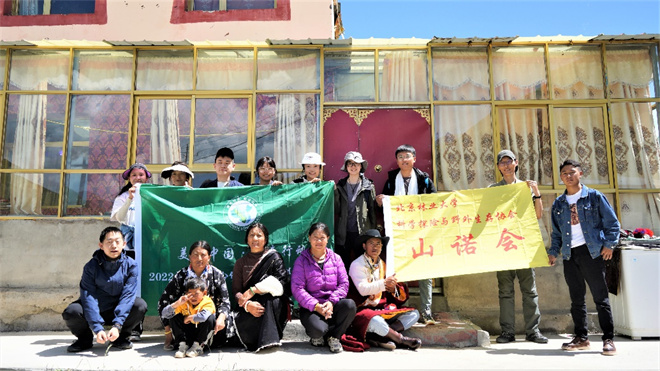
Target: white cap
312, 158
167, 172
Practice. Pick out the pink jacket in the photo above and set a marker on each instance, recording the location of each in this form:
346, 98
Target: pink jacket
310, 285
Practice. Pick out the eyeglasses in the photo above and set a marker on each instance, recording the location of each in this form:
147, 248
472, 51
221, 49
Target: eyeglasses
506, 162
266, 169
351, 164
404, 157
375, 243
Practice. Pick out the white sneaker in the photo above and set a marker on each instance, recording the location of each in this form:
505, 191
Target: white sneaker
181, 353
317, 342
195, 350
335, 345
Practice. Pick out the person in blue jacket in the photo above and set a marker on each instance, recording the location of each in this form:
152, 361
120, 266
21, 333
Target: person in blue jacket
108, 296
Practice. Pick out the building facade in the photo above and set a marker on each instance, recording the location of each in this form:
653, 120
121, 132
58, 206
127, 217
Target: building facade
76, 113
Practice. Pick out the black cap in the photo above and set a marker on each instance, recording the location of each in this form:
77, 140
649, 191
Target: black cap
372, 233
224, 152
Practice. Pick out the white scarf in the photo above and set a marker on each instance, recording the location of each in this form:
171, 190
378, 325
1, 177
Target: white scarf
400, 188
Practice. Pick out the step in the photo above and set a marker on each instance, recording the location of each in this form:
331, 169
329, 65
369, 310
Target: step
449, 331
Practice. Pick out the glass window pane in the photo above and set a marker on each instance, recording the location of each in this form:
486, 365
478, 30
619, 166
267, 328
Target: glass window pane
636, 149
163, 131
164, 70
221, 122
348, 76
464, 147
580, 136
526, 132
225, 69
287, 127
102, 70
632, 71
3, 64
90, 194
640, 210
576, 72
519, 73
403, 76
460, 74
288, 69
39, 70
34, 132
98, 132
29, 194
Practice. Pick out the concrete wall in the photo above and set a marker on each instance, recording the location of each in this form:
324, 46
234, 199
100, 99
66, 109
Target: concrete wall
41, 262
137, 20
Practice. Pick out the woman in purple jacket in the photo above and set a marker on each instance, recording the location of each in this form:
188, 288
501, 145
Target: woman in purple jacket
320, 284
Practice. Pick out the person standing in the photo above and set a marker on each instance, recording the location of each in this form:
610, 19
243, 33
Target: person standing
223, 165
355, 209
409, 180
584, 229
507, 164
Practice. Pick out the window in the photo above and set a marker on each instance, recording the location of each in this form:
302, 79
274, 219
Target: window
349, 76
52, 12
192, 11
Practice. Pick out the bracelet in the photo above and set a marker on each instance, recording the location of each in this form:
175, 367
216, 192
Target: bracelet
252, 291
168, 332
245, 306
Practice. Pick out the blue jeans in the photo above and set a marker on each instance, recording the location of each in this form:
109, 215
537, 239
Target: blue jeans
579, 268
425, 296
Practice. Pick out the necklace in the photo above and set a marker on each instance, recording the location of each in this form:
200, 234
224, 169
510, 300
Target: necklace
354, 186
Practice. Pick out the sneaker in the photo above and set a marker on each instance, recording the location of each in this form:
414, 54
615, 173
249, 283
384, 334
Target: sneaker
608, 348
317, 342
537, 338
135, 336
195, 350
181, 353
427, 319
577, 343
335, 345
122, 343
506, 337
79, 346
168, 347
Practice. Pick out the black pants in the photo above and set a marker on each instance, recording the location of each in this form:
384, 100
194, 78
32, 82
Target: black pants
316, 326
579, 268
190, 332
75, 319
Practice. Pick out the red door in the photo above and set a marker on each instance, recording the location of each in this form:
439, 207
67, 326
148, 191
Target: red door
375, 133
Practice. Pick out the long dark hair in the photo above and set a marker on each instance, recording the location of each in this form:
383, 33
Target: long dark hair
201, 243
319, 226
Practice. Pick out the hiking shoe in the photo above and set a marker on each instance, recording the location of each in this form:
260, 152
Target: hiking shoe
506, 337
537, 338
608, 348
195, 350
122, 343
577, 343
168, 347
79, 345
135, 336
317, 342
181, 353
427, 319
335, 345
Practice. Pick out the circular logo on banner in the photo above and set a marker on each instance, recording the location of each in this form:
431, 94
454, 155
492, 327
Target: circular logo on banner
242, 212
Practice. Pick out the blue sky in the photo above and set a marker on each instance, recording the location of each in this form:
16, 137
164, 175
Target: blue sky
469, 18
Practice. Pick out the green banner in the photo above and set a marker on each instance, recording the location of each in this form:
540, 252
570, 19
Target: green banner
173, 218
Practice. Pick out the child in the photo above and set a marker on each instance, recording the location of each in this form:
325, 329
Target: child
192, 319
312, 166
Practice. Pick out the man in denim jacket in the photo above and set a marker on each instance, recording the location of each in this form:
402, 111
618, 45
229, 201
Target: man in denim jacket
585, 230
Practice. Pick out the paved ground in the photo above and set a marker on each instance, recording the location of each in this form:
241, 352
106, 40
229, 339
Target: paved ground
47, 351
